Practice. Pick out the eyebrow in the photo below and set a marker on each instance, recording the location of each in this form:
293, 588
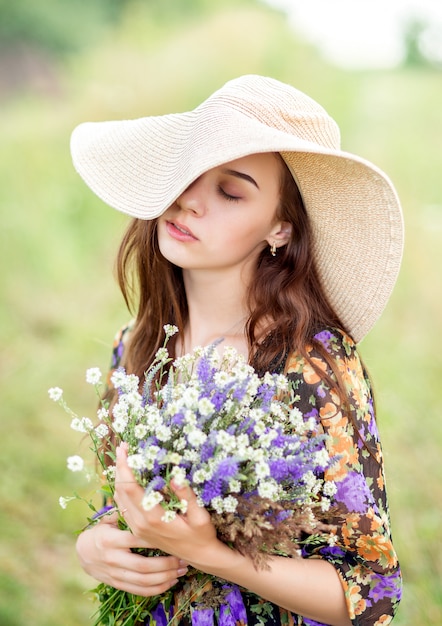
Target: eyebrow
242, 175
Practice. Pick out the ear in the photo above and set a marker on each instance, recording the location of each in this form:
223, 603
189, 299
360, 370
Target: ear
280, 234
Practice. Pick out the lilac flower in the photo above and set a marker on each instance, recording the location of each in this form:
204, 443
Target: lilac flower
202, 617
159, 617
227, 469
278, 469
234, 612
212, 489
156, 484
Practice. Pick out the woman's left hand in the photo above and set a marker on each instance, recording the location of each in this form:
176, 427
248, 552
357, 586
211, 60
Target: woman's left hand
188, 536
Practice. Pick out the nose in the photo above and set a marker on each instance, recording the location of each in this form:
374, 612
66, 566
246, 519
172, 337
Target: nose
192, 199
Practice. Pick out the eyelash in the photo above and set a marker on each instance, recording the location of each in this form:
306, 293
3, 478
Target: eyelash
227, 196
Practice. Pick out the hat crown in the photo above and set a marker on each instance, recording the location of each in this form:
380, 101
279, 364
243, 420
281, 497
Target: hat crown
278, 106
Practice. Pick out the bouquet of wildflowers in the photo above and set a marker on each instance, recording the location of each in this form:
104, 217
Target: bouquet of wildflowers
251, 458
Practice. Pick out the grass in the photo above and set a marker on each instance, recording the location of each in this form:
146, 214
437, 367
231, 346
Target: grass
60, 306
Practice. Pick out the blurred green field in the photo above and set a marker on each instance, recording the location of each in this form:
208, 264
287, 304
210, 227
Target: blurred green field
60, 306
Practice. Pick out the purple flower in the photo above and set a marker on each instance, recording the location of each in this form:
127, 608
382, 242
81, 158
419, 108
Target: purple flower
159, 616
227, 469
278, 469
156, 484
102, 511
332, 551
212, 489
202, 617
234, 612
354, 493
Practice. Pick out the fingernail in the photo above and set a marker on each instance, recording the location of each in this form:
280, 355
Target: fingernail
182, 571
183, 563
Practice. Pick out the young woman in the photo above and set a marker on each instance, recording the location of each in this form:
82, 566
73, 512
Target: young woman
251, 225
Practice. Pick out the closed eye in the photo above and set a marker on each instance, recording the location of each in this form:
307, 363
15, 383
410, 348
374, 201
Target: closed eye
227, 196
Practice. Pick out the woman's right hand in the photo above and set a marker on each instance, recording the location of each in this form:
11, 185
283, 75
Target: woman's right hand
105, 553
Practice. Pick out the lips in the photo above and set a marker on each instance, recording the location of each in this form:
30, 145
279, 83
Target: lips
179, 231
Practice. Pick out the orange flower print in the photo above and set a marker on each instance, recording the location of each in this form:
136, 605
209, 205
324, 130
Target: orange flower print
309, 374
383, 620
376, 548
348, 529
356, 601
380, 481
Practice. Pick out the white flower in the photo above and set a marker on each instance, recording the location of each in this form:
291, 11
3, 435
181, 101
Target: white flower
168, 516
332, 540
126, 382
268, 489
170, 329
150, 500
295, 416
162, 355
196, 438
234, 485
75, 463
282, 383
218, 504
135, 461
276, 410
163, 433
179, 476
266, 439
102, 413
119, 424
101, 431
329, 488
83, 425
110, 472
175, 459
206, 407
93, 375
63, 502
262, 470
311, 482
191, 455
201, 475
55, 393
321, 457
230, 503
183, 505
190, 398
225, 440
140, 431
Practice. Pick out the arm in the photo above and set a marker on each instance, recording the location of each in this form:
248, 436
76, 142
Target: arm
364, 556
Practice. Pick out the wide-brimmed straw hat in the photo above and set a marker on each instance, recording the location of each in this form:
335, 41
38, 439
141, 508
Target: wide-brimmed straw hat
141, 166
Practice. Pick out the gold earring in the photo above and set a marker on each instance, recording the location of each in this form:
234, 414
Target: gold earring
273, 249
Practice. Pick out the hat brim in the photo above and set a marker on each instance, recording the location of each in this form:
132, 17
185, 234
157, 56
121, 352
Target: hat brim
140, 167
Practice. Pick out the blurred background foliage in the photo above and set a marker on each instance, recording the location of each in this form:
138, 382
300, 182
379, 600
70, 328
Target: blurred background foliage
64, 62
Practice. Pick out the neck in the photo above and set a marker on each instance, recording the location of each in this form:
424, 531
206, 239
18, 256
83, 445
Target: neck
217, 309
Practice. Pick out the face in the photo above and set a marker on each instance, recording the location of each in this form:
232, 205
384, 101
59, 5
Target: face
226, 217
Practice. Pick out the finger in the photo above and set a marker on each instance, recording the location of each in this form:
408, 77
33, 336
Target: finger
147, 575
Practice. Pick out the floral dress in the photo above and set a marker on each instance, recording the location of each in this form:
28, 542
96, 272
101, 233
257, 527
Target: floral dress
363, 553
